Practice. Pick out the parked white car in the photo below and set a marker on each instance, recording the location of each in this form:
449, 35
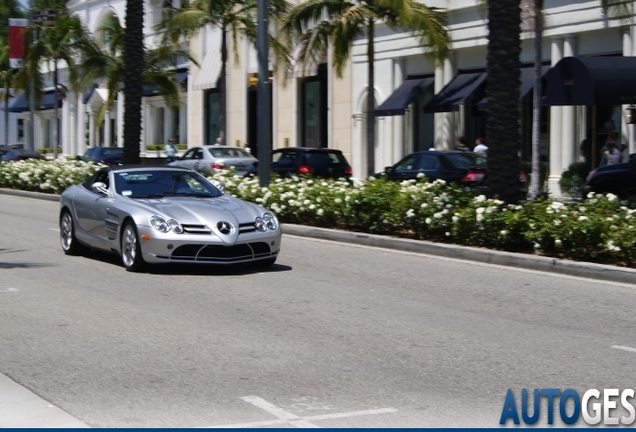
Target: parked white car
216, 158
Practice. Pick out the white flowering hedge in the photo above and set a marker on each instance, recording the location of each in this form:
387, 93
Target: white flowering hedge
598, 229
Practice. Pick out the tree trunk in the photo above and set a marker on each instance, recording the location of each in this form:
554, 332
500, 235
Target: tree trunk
134, 62
502, 91
223, 89
6, 120
535, 187
371, 101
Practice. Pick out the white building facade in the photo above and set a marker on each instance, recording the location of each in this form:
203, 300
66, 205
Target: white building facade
432, 121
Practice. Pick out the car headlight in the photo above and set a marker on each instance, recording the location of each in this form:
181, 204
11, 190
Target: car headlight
260, 224
267, 222
164, 226
270, 220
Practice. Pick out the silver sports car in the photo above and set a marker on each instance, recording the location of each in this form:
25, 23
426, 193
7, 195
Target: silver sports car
165, 215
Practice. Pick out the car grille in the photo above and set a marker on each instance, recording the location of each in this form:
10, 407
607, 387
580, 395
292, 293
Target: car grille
247, 228
202, 229
219, 253
196, 229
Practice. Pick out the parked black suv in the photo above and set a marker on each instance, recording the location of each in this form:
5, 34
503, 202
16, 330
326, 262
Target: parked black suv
322, 162
618, 179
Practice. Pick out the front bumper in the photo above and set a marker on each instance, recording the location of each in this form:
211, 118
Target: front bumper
207, 248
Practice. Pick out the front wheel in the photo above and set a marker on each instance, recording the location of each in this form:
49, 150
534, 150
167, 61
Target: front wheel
131, 249
69, 242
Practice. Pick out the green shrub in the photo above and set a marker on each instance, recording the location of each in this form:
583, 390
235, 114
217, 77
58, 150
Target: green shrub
573, 179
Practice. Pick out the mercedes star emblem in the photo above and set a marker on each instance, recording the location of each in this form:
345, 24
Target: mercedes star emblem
224, 227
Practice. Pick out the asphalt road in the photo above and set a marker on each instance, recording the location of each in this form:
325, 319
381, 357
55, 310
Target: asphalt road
333, 335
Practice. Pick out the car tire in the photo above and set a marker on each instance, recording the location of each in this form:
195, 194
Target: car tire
266, 262
131, 248
70, 244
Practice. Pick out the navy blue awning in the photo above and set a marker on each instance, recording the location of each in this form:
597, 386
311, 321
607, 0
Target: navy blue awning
89, 93
403, 96
180, 77
527, 84
591, 81
455, 92
21, 104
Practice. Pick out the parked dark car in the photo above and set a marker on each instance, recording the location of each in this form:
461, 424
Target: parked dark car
7, 155
465, 168
104, 155
323, 162
618, 179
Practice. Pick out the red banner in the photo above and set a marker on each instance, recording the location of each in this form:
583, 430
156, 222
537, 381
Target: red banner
17, 41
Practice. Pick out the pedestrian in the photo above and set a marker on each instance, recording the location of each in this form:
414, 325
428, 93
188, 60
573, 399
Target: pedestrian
170, 150
461, 144
585, 150
218, 141
480, 147
612, 154
247, 148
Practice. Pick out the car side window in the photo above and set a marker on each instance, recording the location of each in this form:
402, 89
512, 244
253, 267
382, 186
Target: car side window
198, 154
409, 163
428, 162
284, 158
190, 154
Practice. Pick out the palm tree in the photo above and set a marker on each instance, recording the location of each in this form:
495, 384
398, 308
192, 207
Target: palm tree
235, 19
306, 28
64, 41
502, 91
133, 79
103, 62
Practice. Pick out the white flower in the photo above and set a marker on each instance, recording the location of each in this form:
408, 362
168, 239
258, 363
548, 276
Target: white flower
420, 175
480, 210
428, 221
320, 212
410, 213
611, 197
557, 222
583, 218
557, 242
503, 232
611, 247
424, 205
480, 198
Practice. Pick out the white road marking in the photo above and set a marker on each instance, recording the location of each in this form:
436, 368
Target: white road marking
54, 229
477, 263
287, 418
624, 348
8, 290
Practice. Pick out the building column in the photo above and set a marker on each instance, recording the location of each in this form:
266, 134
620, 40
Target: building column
556, 130
444, 130
569, 149
72, 130
120, 119
107, 134
627, 130
399, 141
80, 137
183, 124
65, 126
91, 128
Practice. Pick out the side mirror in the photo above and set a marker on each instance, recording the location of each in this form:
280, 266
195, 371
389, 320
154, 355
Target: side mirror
100, 187
219, 184
388, 169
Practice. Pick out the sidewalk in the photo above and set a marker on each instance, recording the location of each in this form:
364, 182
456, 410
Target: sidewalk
511, 259
20, 408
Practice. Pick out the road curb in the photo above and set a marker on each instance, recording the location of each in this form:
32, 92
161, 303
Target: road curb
510, 259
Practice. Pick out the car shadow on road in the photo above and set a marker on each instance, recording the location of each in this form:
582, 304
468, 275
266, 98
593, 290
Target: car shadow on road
13, 265
190, 269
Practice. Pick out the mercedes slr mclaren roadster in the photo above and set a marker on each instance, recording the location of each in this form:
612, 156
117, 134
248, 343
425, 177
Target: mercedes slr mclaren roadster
165, 215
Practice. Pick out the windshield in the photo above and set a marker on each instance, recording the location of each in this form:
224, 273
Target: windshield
467, 160
164, 183
112, 151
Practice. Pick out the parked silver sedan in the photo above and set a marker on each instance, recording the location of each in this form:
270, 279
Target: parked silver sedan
160, 215
216, 158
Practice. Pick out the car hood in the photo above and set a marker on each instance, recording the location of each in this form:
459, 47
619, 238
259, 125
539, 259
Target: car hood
204, 211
